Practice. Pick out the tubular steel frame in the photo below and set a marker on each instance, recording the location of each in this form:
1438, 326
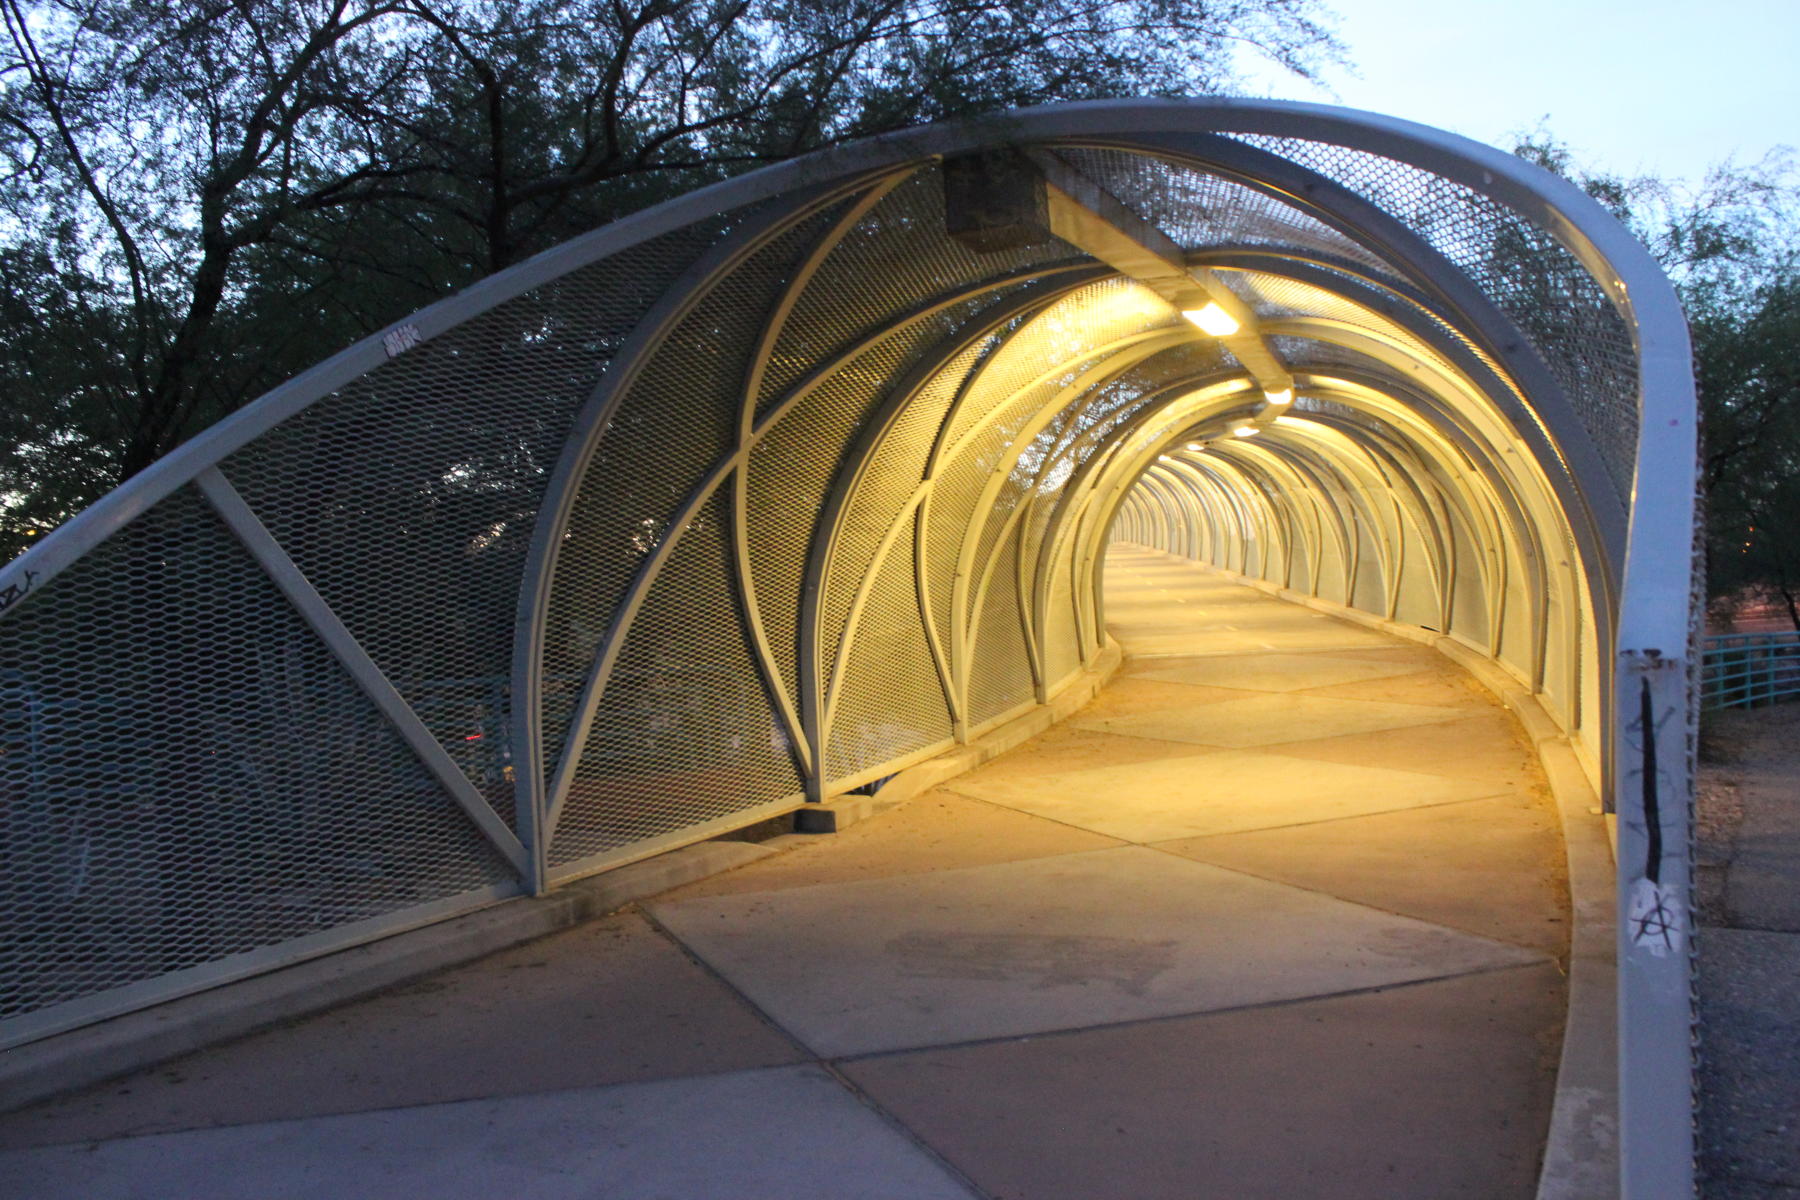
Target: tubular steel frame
1434, 444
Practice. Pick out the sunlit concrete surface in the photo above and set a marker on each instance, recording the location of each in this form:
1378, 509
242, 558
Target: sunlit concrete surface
1308, 947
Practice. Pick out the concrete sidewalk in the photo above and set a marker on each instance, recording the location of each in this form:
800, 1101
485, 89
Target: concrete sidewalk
1280, 914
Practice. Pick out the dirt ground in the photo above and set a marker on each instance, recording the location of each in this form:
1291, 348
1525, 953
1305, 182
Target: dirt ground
1747, 847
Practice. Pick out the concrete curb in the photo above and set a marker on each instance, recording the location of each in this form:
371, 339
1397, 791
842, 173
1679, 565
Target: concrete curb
1581, 1150
41, 1069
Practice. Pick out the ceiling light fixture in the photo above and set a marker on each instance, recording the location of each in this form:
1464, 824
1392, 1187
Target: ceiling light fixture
1212, 319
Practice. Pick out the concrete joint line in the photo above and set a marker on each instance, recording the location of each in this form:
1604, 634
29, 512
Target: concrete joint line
1581, 1154
94, 1053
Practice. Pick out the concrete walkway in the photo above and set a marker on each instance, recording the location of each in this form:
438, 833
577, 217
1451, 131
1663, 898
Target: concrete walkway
1279, 915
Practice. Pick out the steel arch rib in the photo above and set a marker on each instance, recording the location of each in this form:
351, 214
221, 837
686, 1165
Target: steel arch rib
742, 575
859, 458
732, 462
538, 796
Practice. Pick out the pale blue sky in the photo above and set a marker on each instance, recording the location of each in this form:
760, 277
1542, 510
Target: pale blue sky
1667, 87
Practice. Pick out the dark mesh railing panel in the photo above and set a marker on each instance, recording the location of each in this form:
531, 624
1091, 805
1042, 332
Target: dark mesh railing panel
684, 733
1202, 211
409, 497
1523, 270
678, 418
893, 258
188, 775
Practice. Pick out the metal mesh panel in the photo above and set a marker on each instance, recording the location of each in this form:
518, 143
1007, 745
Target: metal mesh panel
1062, 335
793, 467
684, 732
1267, 494
1002, 680
894, 472
897, 255
1003, 399
1062, 648
1200, 210
1347, 295
678, 418
1304, 354
189, 775
993, 446
1045, 479
1090, 419
953, 514
1135, 389
1275, 297
418, 546
890, 702
1519, 266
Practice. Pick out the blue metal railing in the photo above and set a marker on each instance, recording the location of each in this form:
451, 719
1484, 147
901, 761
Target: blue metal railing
1743, 670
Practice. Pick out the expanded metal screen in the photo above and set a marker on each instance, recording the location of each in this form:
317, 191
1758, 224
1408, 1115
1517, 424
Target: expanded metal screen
1523, 269
188, 775
757, 496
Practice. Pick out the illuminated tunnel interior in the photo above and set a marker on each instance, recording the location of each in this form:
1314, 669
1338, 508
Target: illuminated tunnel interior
763, 495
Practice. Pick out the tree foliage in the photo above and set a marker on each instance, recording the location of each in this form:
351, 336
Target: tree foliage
1732, 246
197, 198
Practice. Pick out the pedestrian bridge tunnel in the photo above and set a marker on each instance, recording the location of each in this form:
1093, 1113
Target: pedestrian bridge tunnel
766, 493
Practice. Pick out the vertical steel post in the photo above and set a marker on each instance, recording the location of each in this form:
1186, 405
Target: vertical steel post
1654, 799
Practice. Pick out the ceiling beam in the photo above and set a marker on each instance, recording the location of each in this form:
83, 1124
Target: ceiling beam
995, 201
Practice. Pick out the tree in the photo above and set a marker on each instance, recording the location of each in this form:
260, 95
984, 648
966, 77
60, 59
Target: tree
1747, 368
194, 198
1732, 247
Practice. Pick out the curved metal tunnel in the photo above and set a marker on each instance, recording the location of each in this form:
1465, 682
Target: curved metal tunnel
765, 494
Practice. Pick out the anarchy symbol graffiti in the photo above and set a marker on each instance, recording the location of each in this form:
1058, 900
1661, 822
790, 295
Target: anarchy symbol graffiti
12, 593
1654, 919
